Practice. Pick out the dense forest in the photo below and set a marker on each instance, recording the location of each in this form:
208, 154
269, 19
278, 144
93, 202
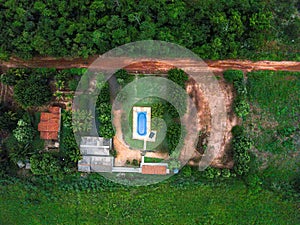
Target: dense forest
254, 29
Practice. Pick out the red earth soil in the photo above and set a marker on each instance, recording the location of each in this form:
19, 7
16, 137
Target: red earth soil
152, 67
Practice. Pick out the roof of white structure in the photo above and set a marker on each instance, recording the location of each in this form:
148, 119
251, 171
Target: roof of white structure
95, 155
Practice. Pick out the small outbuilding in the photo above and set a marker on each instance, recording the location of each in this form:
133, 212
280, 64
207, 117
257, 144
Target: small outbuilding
49, 125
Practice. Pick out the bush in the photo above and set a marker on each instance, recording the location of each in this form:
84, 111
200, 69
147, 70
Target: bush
135, 162
186, 171
24, 133
157, 110
73, 83
68, 145
8, 120
225, 173
13, 76
32, 92
241, 107
241, 145
178, 76
104, 116
211, 172
45, 163
233, 75
173, 136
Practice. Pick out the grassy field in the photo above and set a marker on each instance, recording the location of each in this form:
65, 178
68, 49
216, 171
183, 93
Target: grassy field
275, 114
273, 123
161, 204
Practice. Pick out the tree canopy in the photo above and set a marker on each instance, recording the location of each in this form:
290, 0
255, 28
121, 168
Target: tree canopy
223, 29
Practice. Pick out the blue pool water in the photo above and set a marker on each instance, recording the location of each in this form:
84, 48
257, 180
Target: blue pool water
142, 123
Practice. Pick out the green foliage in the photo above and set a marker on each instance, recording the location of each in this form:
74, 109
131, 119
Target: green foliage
82, 121
186, 171
152, 160
135, 162
211, 30
68, 145
45, 163
211, 172
174, 164
173, 136
157, 110
103, 109
32, 92
114, 153
72, 84
274, 97
232, 76
241, 105
254, 183
240, 146
24, 133
13, 75
123, 77
104, 117
42, 194
8, 120
178, 76
226, 173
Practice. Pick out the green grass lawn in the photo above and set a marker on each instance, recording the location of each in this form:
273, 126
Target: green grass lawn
273, 123
274, 118
139, 144
160, 204
152, 160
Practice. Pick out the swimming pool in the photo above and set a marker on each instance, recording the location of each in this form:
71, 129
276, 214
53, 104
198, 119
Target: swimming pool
142, 123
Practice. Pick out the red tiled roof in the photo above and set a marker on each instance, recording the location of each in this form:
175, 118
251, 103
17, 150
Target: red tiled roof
54, 110
147, 169
49, 125
48, 135
48, 116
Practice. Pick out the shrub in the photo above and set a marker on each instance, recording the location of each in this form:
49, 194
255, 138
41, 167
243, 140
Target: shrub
135, 162
24, 133
73, 83
13, 76
173, 136
241, 107
186, 171
32, 92
114, 153
157, 110
45, 163
8, 120
178, 76
241, 145
233, 75
104, 116
254, 183
211, 172
237, 130
225, 173
68, 145
82, 120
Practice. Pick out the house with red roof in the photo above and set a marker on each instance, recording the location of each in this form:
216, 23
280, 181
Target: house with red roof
49, 125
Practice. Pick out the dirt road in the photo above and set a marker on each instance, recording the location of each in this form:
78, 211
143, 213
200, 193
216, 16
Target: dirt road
150, 67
